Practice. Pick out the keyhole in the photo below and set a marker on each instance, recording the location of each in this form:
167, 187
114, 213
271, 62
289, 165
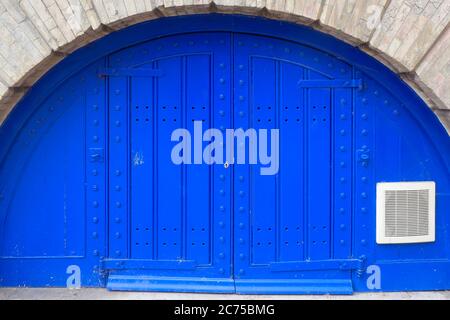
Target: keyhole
226, 165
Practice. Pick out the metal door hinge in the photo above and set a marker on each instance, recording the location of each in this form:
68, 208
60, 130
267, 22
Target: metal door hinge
142, 264
129, 72
338, 83
320, 265
361, 269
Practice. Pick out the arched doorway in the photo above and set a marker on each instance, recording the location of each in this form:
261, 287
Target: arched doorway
91, 180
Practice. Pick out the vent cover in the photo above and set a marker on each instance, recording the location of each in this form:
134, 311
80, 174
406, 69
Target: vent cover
406, 212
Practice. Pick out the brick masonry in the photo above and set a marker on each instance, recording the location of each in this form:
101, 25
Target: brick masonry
412, 37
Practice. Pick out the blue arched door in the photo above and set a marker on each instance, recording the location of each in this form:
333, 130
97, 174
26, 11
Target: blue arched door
107, 175
244, 230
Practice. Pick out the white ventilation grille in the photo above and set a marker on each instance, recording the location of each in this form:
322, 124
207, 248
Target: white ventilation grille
406, 212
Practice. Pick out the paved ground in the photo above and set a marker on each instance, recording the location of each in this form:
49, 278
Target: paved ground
99, 294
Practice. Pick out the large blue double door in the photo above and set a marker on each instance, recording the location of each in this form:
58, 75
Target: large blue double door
226, 227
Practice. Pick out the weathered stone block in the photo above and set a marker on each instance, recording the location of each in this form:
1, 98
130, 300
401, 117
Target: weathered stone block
444, 117
433, 73
354, 20
408, 29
